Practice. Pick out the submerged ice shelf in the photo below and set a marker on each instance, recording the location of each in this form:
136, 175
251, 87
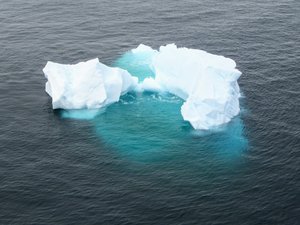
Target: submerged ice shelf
207, 83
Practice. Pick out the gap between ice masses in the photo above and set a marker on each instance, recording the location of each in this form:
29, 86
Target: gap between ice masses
206, 82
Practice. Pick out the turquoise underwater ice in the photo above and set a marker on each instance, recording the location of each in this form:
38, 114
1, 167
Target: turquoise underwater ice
149, 126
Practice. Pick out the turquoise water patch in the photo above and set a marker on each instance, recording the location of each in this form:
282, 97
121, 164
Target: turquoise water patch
149, 127
142, 126
81, 114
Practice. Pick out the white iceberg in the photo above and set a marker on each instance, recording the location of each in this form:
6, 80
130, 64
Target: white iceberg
86, 85
207, 83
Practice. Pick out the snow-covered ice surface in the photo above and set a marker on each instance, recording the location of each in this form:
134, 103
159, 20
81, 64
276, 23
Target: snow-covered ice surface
207, 83
86, 85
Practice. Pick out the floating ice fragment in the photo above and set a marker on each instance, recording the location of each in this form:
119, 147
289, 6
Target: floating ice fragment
88, 84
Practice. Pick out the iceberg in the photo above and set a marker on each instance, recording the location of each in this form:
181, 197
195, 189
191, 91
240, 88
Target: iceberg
86, 85
206, 82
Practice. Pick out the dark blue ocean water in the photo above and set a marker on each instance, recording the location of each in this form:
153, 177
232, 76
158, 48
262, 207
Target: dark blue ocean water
137, 162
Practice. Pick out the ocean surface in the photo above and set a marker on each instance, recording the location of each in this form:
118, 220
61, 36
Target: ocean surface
138, 162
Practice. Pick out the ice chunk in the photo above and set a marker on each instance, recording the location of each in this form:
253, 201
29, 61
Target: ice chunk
207, 82
88, 84
144, 49
149, 84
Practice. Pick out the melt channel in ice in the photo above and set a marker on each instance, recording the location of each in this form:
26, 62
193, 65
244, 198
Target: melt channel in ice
86, 85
